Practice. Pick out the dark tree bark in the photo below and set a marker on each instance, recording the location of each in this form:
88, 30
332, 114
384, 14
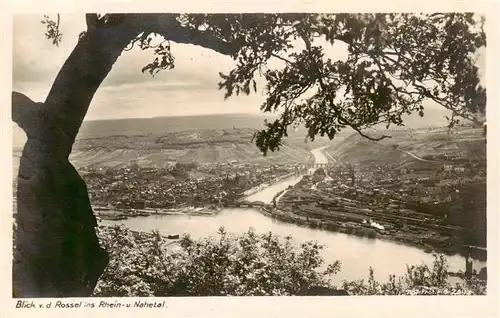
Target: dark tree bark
57, 253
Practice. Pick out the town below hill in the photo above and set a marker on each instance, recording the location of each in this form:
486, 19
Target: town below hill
423, 186
429, 182
202, 147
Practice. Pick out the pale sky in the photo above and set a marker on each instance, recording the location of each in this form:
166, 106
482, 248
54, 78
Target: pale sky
189, 89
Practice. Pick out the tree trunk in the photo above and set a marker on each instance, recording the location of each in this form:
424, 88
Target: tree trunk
57, 253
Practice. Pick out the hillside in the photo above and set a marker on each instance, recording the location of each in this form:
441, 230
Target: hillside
219, 138
156, 126
163, 125
162, 141
412, 148
209, 146
427, 186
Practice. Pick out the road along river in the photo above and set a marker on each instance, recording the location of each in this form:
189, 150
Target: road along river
356, 254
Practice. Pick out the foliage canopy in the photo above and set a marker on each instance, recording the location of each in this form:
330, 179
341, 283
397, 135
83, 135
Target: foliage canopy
395, 62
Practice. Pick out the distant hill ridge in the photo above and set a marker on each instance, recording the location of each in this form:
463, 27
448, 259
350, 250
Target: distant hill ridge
162, 125
156, 126
424, 146
185, 138
158, 141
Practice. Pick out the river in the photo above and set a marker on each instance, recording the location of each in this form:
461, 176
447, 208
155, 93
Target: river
355, 253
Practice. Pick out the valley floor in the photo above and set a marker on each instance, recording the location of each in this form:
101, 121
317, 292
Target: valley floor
444, 223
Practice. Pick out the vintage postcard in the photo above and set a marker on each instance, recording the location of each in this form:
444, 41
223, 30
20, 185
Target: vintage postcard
250, 159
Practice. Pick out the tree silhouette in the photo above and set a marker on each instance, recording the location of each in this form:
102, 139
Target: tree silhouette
395, 62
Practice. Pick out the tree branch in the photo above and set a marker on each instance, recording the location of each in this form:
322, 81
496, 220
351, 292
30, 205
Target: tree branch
344, 121
368, 137
25, 112
181, 34
304, 37
424, 91
282, 58
91, 19
81, 75
167, 25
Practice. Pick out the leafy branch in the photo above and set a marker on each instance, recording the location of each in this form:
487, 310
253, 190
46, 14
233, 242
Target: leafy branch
52, 32
395, 63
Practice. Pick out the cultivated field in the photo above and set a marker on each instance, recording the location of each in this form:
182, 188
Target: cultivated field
414, 147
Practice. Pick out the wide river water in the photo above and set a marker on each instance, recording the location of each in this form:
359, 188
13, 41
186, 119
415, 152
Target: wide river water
355, 253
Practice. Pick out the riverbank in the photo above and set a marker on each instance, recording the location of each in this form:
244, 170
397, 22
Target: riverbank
197, 250
316, 201
263, 187
117, 214
114, 214
361, 230
337, 246
349, 228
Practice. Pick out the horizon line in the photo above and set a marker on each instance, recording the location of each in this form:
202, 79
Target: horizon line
183, 115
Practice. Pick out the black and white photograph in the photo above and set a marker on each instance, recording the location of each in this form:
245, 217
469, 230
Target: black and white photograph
170, 154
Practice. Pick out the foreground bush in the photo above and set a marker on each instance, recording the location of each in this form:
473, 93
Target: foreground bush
418, 280
145, 264
250, 264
